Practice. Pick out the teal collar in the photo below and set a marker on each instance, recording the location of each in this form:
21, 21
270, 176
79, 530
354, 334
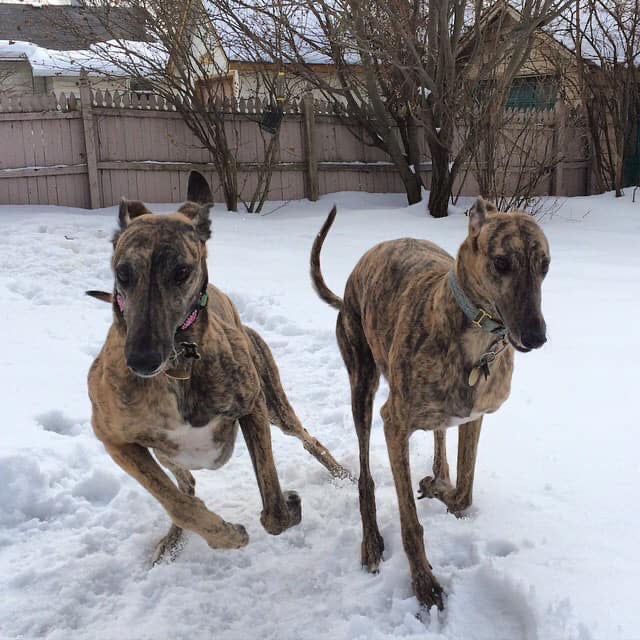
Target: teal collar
477, 315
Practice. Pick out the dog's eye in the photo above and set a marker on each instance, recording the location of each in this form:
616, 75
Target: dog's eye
501, 264
123, 274
181, 275
544, 267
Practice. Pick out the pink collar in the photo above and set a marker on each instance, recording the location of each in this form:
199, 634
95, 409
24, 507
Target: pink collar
203, 298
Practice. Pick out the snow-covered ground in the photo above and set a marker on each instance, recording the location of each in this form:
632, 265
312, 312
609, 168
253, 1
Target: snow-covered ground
549, 551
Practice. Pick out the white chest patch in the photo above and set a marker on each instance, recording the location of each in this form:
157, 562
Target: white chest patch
455, 421
207, 447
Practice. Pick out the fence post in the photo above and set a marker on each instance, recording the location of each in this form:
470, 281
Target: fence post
559, 146
89, 140
308, 127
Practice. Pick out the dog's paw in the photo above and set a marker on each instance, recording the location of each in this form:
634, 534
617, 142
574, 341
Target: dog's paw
169, 547
232, 536
428, 591
275, 522
239, 536
459, 508
371, 552
431, 487
294, 505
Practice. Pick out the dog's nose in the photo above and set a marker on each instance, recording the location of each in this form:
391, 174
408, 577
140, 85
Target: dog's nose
144, 363
533, 338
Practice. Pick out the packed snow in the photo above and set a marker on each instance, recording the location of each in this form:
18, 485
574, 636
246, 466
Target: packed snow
548, 552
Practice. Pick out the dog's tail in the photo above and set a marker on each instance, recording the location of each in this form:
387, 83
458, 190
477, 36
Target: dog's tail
316, 274
100, 295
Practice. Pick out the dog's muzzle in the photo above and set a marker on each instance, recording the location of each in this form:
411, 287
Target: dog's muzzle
145, 364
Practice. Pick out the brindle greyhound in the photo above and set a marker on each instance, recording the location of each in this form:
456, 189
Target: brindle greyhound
179, 371
442, 332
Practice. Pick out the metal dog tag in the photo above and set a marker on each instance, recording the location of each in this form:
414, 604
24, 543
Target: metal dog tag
474, 376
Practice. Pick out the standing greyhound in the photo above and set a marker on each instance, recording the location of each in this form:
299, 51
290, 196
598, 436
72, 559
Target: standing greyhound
442, 332
179, 371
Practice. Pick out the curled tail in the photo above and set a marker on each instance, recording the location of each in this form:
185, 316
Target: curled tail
316, 274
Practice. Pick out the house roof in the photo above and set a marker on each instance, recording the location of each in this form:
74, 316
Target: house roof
111, 58
235, 35
69, 28
504, 9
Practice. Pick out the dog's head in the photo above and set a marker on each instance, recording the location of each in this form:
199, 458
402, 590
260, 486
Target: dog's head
502, 264
160, 268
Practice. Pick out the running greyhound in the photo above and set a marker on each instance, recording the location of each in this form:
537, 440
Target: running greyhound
179, 372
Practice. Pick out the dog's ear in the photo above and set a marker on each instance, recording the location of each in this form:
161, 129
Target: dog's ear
198, 189
130, 209
200, 216
100, 295
478, 215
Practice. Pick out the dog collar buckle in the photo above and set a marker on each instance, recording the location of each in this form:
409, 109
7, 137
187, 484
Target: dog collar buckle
477, 315
481, 316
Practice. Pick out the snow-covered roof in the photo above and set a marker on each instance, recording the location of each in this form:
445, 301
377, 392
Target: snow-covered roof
610, 34
305, 41
95, 60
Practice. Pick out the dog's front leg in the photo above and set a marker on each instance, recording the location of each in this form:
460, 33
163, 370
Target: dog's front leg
458, 498
280, 511
186, 511
468, 436
427, 589
169, 546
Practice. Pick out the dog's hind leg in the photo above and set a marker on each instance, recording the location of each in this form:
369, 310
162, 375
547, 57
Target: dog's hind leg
280, 511
364, 378
170, 545
281, 413
425, 586
458, 498
440, 481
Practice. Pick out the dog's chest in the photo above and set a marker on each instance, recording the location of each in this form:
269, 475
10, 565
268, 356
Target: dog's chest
206, 447
461, 403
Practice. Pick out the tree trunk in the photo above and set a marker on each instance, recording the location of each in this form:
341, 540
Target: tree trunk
441, 182
619, 175
230, 183
399, 156
412, 183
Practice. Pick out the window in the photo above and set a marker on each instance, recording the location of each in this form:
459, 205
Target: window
533, 92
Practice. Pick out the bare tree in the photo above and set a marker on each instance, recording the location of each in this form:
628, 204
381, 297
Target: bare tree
516, 162
606, 39
310, 34
402, 67
481, 61
182, 62
516, 146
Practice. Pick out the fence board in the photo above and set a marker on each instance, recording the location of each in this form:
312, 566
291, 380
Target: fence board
145, 150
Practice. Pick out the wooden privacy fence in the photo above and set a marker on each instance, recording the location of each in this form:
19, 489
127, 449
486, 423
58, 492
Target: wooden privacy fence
90, 150
538, 152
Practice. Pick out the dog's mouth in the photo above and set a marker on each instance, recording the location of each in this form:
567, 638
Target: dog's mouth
516, 345
148, 374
